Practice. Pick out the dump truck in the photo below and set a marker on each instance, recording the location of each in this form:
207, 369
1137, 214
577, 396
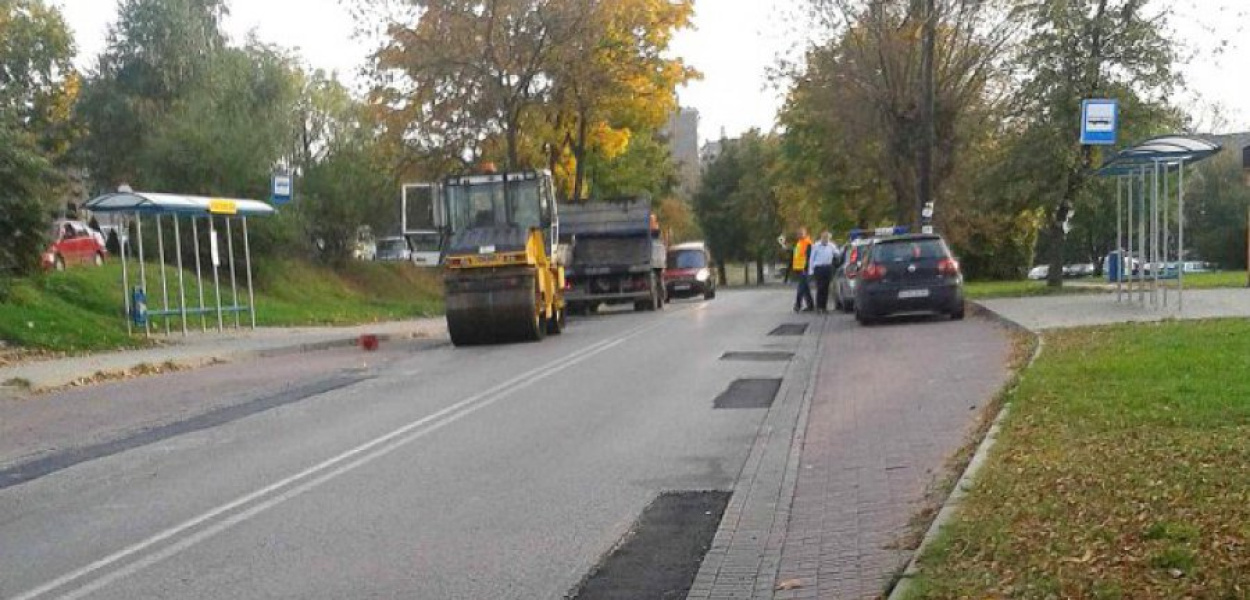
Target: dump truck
617, 255
501, 278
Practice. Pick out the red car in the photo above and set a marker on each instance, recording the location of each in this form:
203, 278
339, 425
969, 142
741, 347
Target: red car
689, 272
73, 243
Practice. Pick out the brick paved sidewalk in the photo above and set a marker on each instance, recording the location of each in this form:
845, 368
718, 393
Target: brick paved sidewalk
892, 405
888, 406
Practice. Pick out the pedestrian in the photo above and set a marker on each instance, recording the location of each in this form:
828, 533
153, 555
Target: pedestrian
824, 255
799, 261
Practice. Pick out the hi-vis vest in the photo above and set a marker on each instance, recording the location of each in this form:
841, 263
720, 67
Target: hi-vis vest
801, 248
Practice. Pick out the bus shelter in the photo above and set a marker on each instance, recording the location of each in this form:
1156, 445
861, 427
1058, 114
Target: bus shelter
207, 216
1150, 216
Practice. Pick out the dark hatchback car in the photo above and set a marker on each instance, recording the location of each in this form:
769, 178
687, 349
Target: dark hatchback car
909, 274
689, 272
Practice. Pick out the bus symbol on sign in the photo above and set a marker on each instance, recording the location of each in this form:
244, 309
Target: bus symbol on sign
1100, 120
281, 189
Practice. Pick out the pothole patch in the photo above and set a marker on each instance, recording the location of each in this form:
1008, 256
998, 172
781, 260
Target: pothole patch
661, 555
749, 393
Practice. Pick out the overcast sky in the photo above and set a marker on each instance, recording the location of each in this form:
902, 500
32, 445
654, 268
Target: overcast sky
733, 45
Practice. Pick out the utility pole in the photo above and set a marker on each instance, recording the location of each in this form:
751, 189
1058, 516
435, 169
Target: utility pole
928, 109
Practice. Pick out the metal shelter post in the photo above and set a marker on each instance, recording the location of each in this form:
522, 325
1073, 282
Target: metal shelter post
251, 293
1128, 217
199, 274
160, 244
234, 280
1141, 239
1180, 240
216, 257
1167, 233
182, 283
1119, 239
121, 244
143, 270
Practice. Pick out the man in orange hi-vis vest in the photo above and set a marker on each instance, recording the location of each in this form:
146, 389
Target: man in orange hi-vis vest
802, 255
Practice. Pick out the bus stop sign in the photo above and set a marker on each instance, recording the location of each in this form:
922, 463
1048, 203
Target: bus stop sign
1100, 122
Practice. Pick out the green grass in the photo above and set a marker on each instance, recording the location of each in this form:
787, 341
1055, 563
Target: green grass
984, 290
81, 310
1122, 472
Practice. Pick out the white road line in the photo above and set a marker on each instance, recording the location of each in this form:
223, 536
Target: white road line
319, 474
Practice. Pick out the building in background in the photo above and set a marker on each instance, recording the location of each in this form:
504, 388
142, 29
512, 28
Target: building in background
683, 143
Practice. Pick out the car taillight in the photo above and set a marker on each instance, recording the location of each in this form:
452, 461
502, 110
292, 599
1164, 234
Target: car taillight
873, 272
948, 268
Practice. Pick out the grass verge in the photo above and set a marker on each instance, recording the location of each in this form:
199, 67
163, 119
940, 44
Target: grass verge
81, 310
1122, 472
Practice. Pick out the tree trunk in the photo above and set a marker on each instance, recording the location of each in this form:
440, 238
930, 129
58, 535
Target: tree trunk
1056, 237
759, 272
928, 133
579, 155
720, 272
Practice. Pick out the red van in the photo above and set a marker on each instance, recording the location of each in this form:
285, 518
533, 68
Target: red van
73, 243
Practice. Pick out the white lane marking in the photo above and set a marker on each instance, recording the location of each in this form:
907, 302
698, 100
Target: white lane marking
389, 442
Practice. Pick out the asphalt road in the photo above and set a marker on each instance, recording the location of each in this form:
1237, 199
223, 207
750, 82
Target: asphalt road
498, 472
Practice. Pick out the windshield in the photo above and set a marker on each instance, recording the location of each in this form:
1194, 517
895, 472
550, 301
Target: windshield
492, 204
391, 247
687, 259
425, 242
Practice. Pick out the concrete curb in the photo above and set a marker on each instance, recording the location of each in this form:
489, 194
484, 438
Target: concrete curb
210, 358
746, 554
968, 478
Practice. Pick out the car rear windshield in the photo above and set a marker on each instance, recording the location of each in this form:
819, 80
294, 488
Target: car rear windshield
687, 259
909, 250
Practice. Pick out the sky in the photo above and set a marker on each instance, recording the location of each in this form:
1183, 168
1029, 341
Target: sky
734, 44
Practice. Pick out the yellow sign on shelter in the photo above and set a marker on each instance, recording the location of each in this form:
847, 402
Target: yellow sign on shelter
218, 206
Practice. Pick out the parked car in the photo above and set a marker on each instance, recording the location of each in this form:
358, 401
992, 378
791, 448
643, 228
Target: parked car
73, 243
689, 272
1039, 272
909, 274
846, 276
393, 249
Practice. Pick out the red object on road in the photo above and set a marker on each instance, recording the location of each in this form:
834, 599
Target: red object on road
369, 342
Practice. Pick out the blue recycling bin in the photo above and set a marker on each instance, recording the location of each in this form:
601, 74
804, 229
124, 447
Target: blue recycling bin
139, 307
1114, 266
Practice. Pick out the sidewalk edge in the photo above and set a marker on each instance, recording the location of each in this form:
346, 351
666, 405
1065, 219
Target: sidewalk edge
968, 478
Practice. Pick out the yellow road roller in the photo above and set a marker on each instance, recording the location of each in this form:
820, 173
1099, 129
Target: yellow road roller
501, 279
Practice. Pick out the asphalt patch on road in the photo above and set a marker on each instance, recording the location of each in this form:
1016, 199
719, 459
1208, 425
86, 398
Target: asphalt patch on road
790, 329
29, 471
758, 356
660, 556
749, 393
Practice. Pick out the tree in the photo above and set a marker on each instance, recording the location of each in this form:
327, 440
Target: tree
465, 72
612, 77
1081, 49
37, 86
737, 204
157, 52
867, 92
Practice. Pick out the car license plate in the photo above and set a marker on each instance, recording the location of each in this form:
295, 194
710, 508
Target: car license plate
682, 287
912, 294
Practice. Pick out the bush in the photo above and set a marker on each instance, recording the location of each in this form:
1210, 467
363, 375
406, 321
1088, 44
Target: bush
22, 234
995, 246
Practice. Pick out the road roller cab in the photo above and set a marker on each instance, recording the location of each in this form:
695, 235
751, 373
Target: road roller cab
501, 279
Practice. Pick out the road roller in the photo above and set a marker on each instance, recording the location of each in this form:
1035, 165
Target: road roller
502, 280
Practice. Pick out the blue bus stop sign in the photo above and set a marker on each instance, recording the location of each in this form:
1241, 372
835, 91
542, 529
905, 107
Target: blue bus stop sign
1100, 122
281, 190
